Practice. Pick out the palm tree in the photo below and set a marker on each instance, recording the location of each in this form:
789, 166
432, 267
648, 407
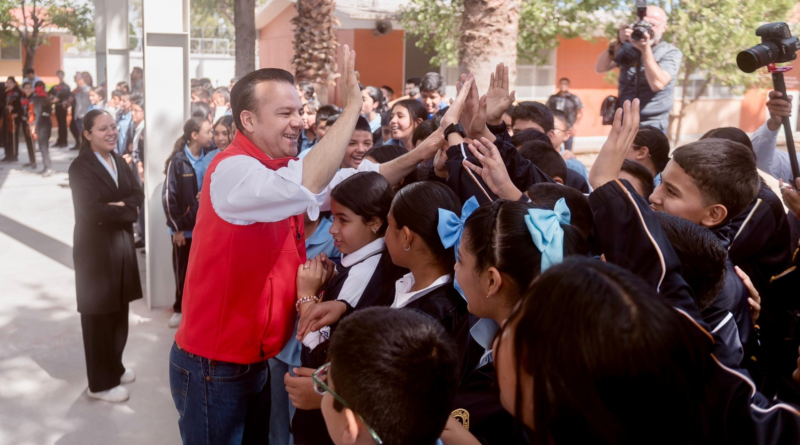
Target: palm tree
315, 44
488, 36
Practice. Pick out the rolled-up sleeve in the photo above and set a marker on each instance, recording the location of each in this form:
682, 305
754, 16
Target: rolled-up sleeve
243, 191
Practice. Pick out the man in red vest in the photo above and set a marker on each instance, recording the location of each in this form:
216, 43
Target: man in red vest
239, 297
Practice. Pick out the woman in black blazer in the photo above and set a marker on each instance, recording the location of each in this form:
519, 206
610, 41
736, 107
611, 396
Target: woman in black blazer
106, 197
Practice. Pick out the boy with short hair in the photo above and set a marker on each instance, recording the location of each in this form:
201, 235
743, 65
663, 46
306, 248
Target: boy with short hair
412, 87
548, 160
651, 149
432, 91
392, 377
321, 124
639, 176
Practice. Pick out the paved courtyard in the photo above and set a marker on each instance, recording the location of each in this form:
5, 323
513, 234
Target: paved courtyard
42, 369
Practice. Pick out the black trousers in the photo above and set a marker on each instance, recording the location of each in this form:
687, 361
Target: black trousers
61, 118
10, 144
104, 338
25, 129
73, 128
180, 262
43, 130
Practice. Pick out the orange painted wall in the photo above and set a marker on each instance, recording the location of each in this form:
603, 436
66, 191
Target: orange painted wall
575, 59
275, 42
380, 58
49, 58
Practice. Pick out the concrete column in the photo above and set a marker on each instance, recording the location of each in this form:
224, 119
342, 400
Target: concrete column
100, 39
167, 97
117, 27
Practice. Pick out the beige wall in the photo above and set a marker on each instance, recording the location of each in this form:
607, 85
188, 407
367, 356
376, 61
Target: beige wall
275, 42
708, 114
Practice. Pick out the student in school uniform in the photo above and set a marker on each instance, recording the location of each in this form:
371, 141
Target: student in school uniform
415, 236
365, 278
184, 172
760, 235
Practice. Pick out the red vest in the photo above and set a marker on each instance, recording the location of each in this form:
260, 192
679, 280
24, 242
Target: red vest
239, 296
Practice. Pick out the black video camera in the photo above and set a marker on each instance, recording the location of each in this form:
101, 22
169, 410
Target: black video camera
628, 54
777, 46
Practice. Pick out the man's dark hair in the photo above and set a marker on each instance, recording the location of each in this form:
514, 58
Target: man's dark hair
535, 112
545, 195
560, 115
326, 111
723, 170
640, 172
401, 379
563, 79
28, 71
362, 124
388, 88
201, 110
433, 82
59, 72
730, 133
224, 92
657, 144
543, 156
415, 80
701, 254
243, 95
521, 137
423, 130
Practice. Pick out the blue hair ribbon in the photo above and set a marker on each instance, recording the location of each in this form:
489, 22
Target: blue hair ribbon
451, 229
546, 232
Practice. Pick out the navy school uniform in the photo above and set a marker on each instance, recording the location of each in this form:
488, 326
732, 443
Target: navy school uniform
365, 265
761, 240
631, 237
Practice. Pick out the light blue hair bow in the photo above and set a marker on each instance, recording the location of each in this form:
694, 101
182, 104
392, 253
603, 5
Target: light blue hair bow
546, 232
451, 228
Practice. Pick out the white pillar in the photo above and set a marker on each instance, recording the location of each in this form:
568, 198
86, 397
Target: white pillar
166, 91
117, 27
100, 39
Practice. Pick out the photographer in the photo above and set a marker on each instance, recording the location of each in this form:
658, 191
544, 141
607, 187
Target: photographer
647, 69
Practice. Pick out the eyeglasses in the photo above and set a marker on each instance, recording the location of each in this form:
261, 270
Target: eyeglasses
321, 388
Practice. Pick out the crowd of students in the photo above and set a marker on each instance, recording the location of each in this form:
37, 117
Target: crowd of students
649, 300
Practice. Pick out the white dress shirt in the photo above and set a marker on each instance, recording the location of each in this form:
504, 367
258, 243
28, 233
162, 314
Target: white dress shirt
111, 168
244, 191
362, 264
404, 295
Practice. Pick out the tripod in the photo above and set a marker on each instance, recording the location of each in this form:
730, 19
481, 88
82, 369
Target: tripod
780, 85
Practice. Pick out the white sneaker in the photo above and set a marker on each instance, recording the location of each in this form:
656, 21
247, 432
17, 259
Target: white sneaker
113, 395
128, 376
175, 320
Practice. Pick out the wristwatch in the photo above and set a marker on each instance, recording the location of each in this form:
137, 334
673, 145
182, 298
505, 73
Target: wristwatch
455, 128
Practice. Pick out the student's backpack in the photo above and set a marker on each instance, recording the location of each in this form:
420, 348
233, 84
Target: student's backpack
608, 109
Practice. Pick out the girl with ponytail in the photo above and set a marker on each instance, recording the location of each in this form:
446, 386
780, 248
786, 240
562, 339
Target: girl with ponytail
185, 170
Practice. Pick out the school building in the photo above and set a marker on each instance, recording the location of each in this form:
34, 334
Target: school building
388, 59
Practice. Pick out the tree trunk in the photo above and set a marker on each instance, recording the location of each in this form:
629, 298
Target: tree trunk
315, 45
244, 15
488, 36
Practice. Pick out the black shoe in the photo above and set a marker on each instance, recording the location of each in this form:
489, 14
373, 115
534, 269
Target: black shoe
139, 244
29, 164
46, 173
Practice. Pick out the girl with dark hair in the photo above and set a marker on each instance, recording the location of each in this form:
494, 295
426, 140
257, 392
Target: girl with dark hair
105, 195
504, 246
97, 98
374, 105
635, 365
306, 91
224, 131
366, 276
308, 137
184, 172
406, 115
414, 243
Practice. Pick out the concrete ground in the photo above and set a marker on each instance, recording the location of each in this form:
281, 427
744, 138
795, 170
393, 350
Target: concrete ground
42, 367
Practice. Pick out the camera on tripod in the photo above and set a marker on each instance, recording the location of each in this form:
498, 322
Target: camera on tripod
777, 46
628, 54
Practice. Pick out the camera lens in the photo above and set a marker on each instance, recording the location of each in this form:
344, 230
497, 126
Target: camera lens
754, 58
637, 34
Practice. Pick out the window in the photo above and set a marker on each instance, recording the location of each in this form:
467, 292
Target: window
534, 82
712, 91
10, 52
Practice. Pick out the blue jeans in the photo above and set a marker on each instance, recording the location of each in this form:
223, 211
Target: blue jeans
219, 402
282, 411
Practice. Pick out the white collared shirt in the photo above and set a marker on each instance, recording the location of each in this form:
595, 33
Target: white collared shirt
111, 168
244, 191
362, 264
405, 296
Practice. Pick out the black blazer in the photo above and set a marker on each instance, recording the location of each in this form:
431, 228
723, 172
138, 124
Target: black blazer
106, 270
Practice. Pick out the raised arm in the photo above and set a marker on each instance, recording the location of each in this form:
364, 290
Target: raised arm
323, 162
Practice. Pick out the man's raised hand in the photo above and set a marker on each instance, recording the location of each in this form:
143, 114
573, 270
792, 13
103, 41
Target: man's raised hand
498, 98
609, 161
351, 93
